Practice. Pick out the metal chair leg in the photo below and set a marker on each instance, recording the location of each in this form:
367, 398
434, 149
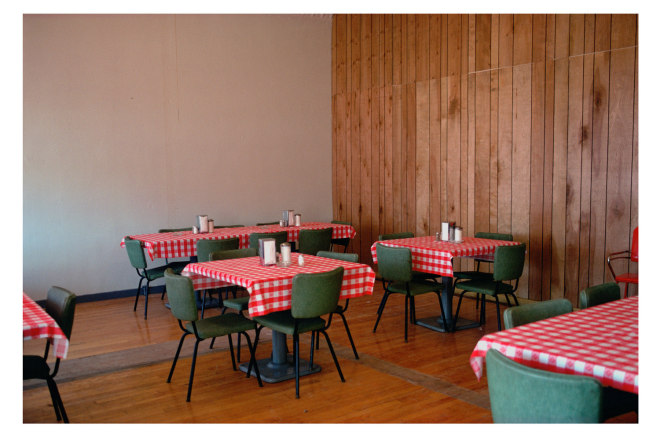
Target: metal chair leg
381, 307
176, 356
137, 294
348, 332
296, 349
405, 319
192, 370
231, 350
334, 356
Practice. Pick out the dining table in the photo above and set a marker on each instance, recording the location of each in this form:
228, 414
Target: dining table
179, 244
37, 323
600, 341
435, 257
269, 288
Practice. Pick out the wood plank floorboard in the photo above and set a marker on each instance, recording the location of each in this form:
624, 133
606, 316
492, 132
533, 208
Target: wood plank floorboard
118, 364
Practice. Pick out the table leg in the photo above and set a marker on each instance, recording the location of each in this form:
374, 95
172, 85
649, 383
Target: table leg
281, 365
435, 322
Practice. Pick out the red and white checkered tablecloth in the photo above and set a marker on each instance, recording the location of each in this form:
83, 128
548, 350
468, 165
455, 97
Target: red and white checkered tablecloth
39, 324
184, 243
431, 256
600, 342
270, 286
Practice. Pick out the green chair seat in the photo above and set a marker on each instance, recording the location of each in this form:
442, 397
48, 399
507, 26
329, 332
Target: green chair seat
284, 322
413, 288
139, 263
485, 286
240, 303
221, 325
520, 394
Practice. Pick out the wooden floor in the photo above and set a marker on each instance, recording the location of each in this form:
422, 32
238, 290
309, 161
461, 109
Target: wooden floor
118, 363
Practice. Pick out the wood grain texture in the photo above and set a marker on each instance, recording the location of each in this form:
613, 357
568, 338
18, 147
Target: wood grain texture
519, 123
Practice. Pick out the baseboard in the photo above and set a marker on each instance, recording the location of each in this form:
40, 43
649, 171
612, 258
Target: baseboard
108, 295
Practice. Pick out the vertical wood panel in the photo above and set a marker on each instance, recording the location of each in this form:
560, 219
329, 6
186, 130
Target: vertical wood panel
516, 123
600, 135
559, 178
546, 278
520, 171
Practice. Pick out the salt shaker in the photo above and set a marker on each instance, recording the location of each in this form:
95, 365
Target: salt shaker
301, 260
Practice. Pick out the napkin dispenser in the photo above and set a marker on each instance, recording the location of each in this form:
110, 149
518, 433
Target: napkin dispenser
267, 251
203, 223
287, 217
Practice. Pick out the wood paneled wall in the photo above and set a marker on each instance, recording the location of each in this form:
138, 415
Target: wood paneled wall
512, 123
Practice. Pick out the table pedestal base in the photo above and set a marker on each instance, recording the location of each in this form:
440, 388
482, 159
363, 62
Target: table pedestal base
272, 373
435, 323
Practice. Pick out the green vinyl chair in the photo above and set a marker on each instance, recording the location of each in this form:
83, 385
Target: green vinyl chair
395, 267
184, 308
280, 237
205, 248
240, 304
268, 223
228, 226
508, 266
139, 263
344, 242
340, 310
312, 295
311, 241
520, 394
520, 315
478, 273
417, 275
61, 306
600, 294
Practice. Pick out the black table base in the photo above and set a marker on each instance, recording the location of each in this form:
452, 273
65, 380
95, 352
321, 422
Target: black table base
435, 323
273, 373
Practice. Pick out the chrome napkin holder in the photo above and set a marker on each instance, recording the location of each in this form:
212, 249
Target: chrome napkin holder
267, 252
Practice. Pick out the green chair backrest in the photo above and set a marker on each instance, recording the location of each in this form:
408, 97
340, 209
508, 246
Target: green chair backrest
353, 258
508, 262
395, 235
519, 315
135, 253
315, 294
181, 295
280, 237
233, 253
520, 394
394, 263
189, 228
205, 247
61, 306
268, 223
339, 222
494, 236
228, 226
600, 294
310, 241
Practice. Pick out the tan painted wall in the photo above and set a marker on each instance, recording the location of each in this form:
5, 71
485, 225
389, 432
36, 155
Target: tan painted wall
139, 122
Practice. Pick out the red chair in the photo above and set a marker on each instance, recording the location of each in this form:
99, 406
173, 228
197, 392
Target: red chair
633, 256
